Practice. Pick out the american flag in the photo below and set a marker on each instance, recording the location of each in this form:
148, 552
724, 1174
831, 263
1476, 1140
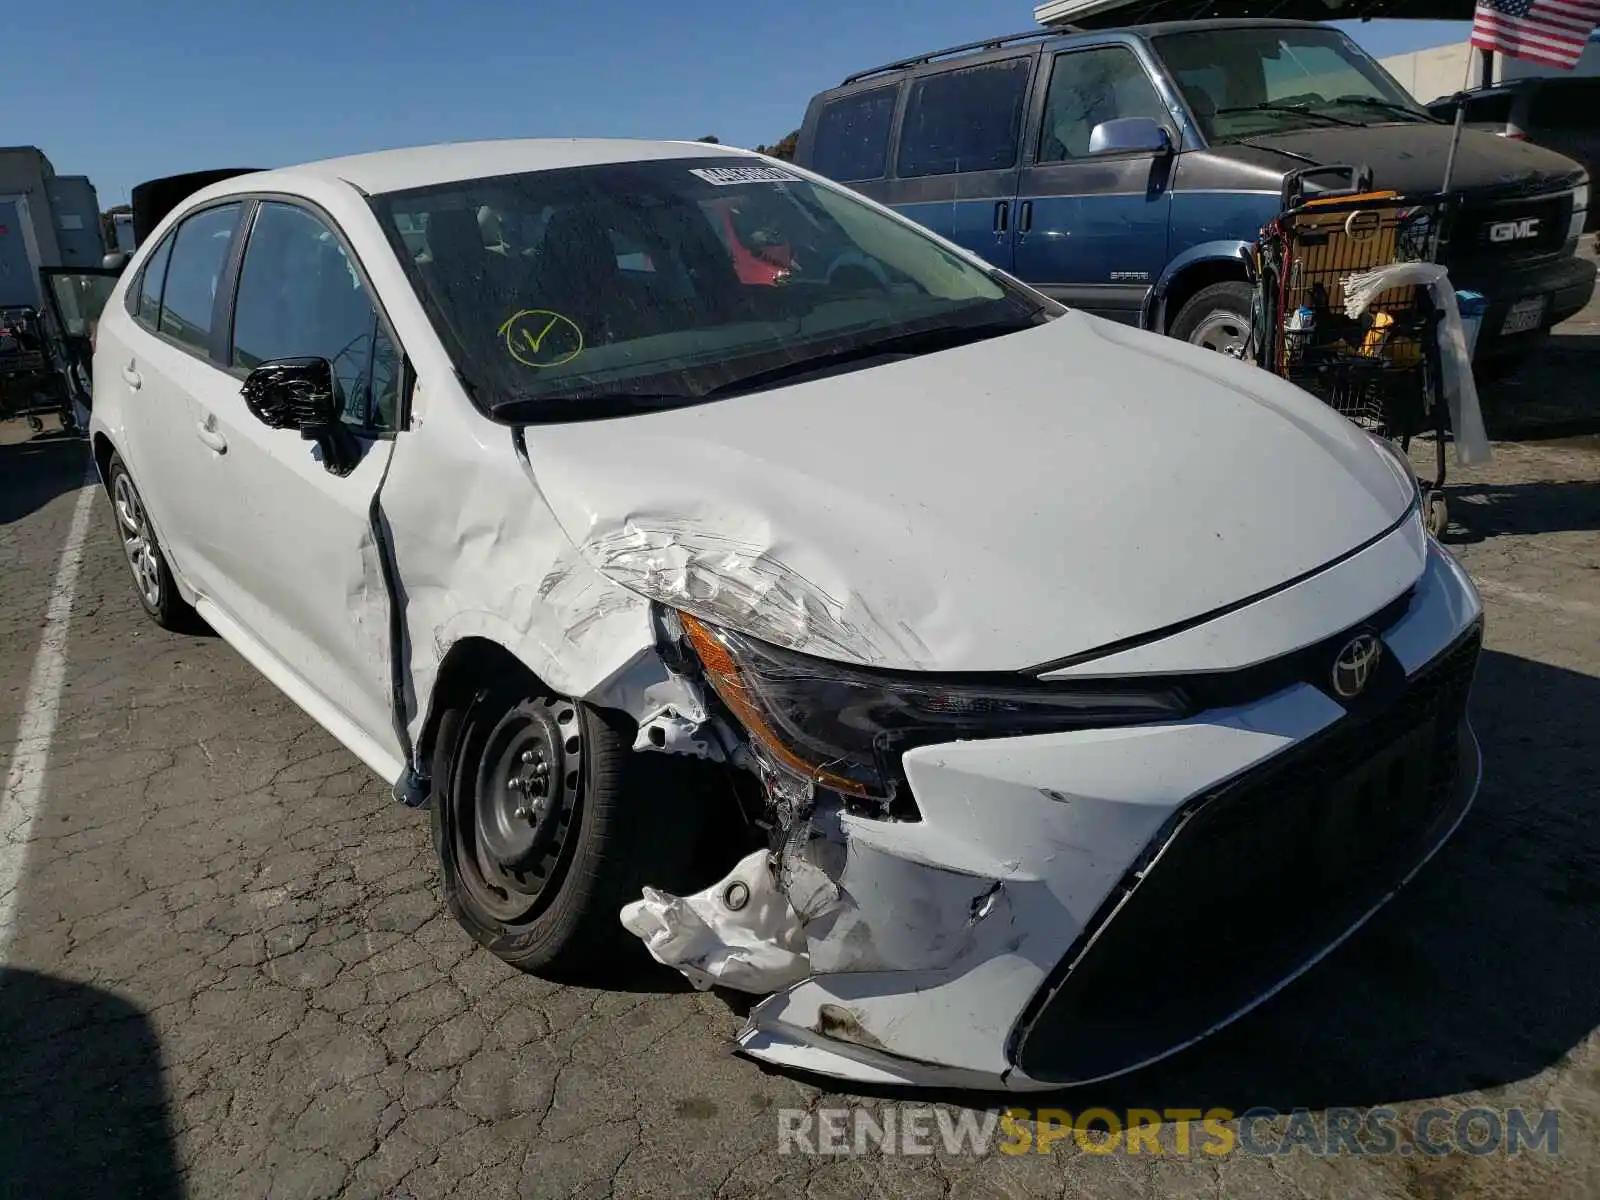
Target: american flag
1550, 32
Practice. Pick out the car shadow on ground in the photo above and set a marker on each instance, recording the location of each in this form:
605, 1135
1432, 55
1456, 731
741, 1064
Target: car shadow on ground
1479, 511
82, 1107
35, 472
1480, 973
1553, 395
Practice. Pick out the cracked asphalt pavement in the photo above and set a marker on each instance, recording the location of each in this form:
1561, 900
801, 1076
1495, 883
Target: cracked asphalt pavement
226, 971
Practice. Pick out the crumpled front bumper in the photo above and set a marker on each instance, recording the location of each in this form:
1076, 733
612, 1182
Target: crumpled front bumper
1073, 906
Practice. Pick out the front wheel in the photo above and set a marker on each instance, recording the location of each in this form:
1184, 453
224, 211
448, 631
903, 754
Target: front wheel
546, 822
1216, 317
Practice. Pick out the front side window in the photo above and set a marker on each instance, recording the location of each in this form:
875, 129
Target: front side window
675, 281
150, 283
301, 297
964, 120
852, 138
1242, 82
1088, 87
199, 251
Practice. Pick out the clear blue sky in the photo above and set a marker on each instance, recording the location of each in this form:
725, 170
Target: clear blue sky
120, 96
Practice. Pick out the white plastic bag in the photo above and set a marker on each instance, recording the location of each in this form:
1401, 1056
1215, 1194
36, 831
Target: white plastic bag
1468, 436
740, 933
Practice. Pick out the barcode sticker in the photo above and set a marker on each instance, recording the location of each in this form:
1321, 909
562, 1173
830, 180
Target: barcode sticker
722, 176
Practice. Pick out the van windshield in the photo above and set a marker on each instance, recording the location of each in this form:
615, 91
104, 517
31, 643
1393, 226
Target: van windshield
595, 290
1245, 82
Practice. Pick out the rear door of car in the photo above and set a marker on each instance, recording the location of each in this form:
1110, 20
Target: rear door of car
162, 357
956, 161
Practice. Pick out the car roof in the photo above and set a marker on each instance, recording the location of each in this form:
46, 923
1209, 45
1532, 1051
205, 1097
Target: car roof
450, 162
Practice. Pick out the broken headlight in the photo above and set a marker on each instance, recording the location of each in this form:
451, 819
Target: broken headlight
844, 727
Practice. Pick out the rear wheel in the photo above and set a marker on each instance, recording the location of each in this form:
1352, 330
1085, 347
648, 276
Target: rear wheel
546, 822
1216, 317
152, 577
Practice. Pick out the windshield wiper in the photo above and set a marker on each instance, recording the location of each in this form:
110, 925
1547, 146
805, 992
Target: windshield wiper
585, 406
1388, 106
1298, 110
905, 345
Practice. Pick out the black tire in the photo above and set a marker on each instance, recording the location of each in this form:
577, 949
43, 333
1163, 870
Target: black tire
1204, 315
153, 582
633, 823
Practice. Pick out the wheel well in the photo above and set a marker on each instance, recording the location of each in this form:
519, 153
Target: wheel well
103, 450
467, 664
1191, 280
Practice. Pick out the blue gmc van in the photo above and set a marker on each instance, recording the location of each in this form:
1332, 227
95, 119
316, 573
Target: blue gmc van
1122, 171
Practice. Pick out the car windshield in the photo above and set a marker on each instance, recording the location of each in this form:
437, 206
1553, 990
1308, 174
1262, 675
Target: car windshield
1246, 82
573, 293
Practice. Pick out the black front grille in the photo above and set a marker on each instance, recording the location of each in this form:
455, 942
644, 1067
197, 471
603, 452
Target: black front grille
1510, 229
1257, 877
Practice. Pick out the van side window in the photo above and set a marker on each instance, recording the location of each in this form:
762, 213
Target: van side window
1088, 87
155, 274
965, 120
852, 139
199, 250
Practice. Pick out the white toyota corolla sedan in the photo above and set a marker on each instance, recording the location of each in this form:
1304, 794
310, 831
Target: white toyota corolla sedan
1045, 693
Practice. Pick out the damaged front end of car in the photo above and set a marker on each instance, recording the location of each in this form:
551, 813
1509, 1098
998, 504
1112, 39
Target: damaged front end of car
1004, 880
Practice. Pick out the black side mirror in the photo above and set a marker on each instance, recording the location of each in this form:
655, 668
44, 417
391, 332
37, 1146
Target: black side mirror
114, 261
300, 394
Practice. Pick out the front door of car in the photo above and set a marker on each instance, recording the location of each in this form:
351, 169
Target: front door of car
75, 297
1092, 227
297, 563
956, 162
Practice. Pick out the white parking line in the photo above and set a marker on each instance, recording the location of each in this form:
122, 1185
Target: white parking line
19, 803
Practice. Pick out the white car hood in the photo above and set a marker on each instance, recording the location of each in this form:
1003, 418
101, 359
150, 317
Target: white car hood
992, 507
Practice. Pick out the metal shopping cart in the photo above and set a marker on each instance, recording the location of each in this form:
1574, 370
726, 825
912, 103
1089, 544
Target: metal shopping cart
1380, 368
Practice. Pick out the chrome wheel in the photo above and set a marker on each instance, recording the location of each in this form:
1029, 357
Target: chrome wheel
1222, 331
137, 542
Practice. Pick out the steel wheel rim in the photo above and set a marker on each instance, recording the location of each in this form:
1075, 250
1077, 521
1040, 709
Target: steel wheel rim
137, 544
513, 865
1220, 331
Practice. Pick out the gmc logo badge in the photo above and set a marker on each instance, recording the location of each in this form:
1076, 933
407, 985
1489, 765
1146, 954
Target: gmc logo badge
1514, 231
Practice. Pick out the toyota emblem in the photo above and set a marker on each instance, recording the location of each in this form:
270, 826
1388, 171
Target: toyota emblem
1355, 665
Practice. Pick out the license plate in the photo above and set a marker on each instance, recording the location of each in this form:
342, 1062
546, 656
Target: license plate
1524, 315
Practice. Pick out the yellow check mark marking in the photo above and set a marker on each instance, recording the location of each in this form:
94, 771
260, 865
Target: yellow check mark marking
532, 342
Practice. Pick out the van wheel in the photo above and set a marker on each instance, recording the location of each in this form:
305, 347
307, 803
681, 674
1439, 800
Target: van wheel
546, 822
152, 577
1216, 317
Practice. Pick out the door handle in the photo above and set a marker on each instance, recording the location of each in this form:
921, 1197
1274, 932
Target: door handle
1025, 217
1002, 215
132, 378
209, 435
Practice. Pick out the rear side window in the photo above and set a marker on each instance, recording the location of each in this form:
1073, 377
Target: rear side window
965, 120
155, 274
1488, 110
852, 139
199, 250
1566, 104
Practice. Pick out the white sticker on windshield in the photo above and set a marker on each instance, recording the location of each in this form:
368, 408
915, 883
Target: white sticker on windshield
722, 176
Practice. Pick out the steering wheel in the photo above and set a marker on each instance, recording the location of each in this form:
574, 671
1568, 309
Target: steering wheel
861, 262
